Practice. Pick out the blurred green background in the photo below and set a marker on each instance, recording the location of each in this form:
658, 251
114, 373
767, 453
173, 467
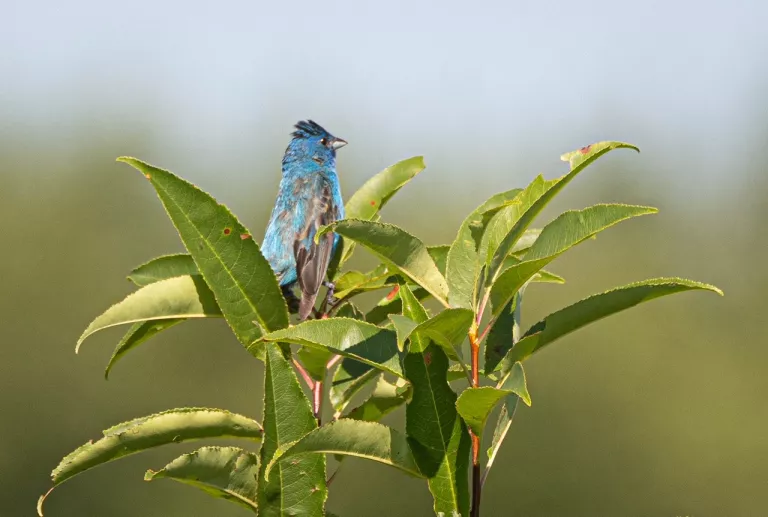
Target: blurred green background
659, 411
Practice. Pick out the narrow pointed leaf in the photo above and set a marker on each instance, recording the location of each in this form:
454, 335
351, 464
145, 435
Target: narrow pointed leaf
440, 255
391, 304
173, 426
516, 383
349, 378
370, 199
161, 268
350, 338
596, 307
462, 259
229, 260
298, 487
386, 397
225, 472
368, 440
403, 328
352, 283
508, 215
567, 230
448, 329
579, 160
136, 335
437, 436
475, 406
171, 299
398, 249
374, 194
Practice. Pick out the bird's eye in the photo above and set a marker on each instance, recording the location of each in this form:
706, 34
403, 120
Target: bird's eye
324, 141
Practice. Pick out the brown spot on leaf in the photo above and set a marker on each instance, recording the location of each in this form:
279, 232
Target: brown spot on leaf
227, 231
244, 236
427, 358
585, 149
148, 176
393, 293
373, 203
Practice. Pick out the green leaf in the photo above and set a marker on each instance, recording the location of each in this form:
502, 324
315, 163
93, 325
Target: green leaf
136, 335
355, 339
226, 472
173, 426
369, 199
391, 304
502, 222
596, 307
349, 378
579, 161
475, 406
438, 438
567, 230
516, 383
368, 440
398, 249
175, 298
403, 328
504, 333
461, 268
448, 329
315, 361
161, 268
440, 255
229, 260
298, 487
352, 283
386, 397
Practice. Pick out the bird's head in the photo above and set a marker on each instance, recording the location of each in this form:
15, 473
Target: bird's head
312, 142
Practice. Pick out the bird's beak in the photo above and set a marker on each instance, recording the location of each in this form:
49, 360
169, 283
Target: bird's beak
338, 143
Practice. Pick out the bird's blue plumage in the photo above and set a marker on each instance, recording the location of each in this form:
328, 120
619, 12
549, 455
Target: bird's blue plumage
308, 198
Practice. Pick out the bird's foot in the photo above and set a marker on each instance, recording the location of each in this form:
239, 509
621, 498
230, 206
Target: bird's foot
330, 299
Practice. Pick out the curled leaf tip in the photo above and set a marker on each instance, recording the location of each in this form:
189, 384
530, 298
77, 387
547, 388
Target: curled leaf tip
41, 500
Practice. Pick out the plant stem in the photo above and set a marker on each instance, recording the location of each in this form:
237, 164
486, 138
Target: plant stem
304, 374
476, 481
317, 402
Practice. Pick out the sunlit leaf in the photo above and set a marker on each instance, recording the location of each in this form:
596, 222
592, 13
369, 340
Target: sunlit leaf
296, 487
516, 383
350, 338
367, 440
567, 230
579, 160
161, 268
226, 255
438, 437
372, 196
462, 266
228, 473
136, 335
172, 426
386, 397
596, 307
400, 250
172, 299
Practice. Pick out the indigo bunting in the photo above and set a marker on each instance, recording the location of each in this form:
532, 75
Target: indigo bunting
309, 197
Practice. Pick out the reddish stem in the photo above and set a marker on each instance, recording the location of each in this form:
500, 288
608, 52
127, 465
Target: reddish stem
304, 374
317, 402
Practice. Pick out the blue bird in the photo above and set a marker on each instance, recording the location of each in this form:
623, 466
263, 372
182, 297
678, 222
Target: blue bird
309, 197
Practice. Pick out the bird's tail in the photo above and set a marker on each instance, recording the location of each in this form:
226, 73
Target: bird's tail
306, 305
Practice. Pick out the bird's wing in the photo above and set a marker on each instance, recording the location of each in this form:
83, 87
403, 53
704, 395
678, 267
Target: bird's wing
312, 258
